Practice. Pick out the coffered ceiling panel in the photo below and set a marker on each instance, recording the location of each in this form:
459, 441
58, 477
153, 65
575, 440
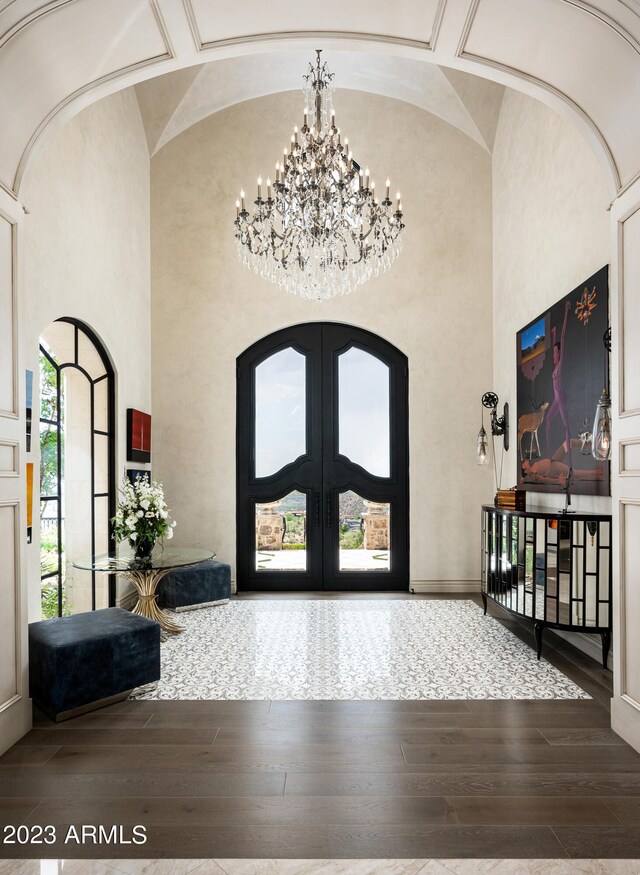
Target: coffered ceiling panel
219, 20
591, 60
49, 55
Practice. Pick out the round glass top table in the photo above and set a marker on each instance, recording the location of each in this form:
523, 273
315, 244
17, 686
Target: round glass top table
145, 574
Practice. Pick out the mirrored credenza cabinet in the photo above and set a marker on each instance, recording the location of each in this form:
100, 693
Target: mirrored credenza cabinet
551, 568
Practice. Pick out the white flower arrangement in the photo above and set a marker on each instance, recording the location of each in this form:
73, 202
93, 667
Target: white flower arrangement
142, 516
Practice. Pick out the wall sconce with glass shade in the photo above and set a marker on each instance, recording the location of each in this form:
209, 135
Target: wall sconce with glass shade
482, 449
499, 426
601, 432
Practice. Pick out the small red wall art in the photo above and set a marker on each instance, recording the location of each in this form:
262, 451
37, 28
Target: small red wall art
138, 436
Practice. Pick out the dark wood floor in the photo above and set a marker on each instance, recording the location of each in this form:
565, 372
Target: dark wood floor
438, 779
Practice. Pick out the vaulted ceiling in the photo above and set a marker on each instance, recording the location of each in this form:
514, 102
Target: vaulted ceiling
582, 58
170, 104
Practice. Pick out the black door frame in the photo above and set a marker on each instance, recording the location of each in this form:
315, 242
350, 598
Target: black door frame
109, 434
321, 474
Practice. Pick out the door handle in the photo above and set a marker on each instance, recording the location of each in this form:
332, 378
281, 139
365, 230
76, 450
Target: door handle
317, 511
327, 511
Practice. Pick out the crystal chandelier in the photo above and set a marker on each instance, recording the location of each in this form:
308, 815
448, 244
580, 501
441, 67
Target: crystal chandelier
321, 230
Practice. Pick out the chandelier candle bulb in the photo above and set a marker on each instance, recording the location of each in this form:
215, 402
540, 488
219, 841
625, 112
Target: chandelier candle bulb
388, 187
242, 200
397, 201
321, 230
237, 209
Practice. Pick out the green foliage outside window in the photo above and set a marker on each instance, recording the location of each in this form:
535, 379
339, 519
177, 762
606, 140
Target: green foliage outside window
351, 540
49, 600
51, 468
49, 433
48, 551
294, 538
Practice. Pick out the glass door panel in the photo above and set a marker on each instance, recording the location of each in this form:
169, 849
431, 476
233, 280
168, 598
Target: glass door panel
363, 410
280, 411
364, 533
101, 405
78, 488
281, 534
52, 565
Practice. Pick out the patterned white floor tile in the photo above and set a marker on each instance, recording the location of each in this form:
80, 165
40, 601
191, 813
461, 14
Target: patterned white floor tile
161, 867
365, 649
530, 867
320, 867
56, 867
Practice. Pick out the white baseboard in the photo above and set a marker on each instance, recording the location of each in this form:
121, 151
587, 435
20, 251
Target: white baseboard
15, 721
625, 720
435, 586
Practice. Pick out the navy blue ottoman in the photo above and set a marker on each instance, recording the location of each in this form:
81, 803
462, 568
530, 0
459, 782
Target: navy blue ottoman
89, 660
195, 586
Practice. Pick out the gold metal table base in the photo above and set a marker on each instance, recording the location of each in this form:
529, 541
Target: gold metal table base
146, 581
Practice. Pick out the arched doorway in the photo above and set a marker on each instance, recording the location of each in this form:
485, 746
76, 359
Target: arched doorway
77, 466
322, 461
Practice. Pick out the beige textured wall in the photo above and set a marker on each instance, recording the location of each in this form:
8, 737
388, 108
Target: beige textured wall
551, 230
87, 253
434, 304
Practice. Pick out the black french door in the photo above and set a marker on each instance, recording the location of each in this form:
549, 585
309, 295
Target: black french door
322, 462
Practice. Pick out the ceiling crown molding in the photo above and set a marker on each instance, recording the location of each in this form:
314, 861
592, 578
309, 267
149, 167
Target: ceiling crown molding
607, 20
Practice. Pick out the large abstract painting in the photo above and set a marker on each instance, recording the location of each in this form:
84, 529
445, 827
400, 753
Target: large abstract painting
561, 368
